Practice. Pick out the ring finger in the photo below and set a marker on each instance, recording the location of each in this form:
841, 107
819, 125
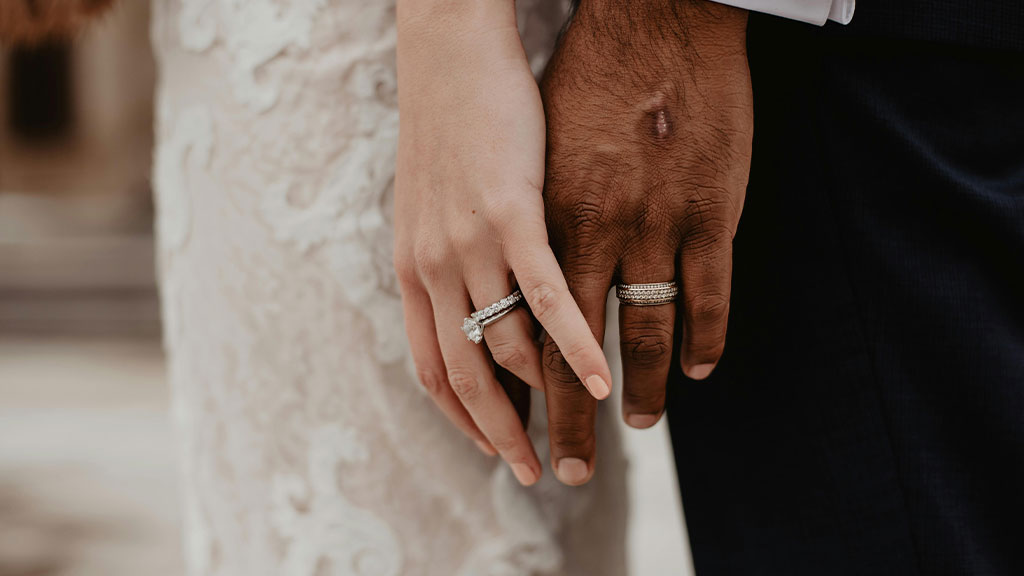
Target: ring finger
471, 376
511, 339
646, 342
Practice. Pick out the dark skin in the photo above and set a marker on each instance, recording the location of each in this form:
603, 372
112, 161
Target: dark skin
649, 125
649, 121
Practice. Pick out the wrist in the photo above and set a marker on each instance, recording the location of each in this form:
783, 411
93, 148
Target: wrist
700, 22
446, 17
658, 44
659, 62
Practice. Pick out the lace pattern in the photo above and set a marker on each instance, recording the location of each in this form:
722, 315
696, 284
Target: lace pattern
307, 446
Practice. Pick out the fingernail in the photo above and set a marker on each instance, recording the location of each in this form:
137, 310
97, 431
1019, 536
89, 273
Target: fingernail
642, 420
486, 448
598, 387
523, 473
572, 471
700, 371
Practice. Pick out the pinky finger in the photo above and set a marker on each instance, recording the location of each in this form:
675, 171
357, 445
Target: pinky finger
430, 368
707, 275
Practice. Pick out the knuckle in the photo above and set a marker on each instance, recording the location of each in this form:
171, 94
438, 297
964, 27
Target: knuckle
573, 207
462, 240
558, 367
650, 218
647, 346
708, 308
576, 350
505, 444
405, 270
572, 437
465, 384
543, 300
587, 217
706, 215
709, 246
431, 260
509, 355
503, 208
431, 381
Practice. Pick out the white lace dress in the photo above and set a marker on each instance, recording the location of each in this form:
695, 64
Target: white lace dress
308, 448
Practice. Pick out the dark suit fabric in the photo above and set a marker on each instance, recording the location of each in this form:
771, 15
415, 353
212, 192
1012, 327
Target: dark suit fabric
867, 417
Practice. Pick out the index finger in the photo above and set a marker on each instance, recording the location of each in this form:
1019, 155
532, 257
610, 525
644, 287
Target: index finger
544, 287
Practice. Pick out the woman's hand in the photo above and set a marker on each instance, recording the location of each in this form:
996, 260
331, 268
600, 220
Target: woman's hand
469, 220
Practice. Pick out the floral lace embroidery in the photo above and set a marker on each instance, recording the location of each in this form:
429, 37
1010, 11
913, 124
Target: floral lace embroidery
307, 446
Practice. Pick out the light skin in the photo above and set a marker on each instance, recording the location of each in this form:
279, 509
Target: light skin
469, 221
646, 118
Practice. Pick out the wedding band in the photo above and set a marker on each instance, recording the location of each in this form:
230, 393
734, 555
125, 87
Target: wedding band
474, 324
647, 294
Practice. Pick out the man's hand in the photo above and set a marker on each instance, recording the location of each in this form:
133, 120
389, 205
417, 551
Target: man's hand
650, 122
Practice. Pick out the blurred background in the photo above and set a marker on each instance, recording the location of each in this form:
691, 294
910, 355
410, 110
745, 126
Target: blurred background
87, 477
87, 472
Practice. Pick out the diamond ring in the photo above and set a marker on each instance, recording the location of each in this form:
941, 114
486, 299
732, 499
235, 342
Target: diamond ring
647, 294
475, 323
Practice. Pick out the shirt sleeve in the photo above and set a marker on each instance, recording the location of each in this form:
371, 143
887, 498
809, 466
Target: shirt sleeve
810, 11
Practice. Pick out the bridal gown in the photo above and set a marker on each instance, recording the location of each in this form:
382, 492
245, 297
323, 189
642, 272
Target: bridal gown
307, 446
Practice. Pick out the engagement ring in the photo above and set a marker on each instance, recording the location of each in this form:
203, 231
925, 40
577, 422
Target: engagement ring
474, 325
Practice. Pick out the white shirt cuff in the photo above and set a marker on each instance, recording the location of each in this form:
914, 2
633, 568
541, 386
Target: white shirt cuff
810, 11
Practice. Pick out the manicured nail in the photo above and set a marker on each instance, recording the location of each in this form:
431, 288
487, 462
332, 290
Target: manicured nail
598, 387
523, 473
486, 448
700, 371
642, 420
572, 471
